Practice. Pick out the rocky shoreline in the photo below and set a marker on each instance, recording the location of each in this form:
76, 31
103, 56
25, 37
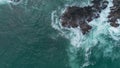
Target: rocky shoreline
80, 16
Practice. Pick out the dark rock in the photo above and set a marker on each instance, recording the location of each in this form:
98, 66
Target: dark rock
80, 16
76, 16
104, 5
85, 28
116, 2
89, 19
15, 0
115, 13
114, 24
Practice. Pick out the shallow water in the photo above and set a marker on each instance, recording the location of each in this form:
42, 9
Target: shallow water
31, 36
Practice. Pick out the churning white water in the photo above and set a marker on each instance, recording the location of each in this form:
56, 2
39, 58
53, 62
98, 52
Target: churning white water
4, 1
99, 36
9, 2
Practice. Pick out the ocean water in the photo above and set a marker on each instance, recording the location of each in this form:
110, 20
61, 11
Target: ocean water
31, 36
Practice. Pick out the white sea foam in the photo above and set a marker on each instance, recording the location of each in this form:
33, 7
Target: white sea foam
4, 1
115, 33
101, 28
80, 3
9, 2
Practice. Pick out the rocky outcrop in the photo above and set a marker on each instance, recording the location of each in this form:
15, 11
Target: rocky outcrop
80, 16
115, 13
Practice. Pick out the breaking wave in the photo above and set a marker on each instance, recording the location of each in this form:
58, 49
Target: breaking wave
100, 41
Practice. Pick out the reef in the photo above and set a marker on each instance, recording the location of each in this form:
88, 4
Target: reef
75, 16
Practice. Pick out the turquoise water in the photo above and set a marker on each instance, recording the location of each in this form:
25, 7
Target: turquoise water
28, 38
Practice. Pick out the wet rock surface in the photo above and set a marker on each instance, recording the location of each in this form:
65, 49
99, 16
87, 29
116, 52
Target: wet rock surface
80, 16
115, 13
